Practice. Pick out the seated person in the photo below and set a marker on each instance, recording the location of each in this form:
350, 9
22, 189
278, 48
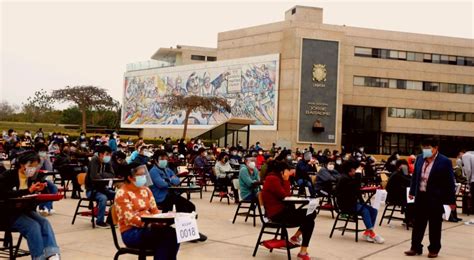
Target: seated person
397, 186
349, 200
118, 161
234, 159
46, 208
162, 178
36, 229
143, 156
249, 179
100, 168
275, 189
223, 180
16, 149
303, 167
135, 200
62, 163
202, 163
326, 180
260, 159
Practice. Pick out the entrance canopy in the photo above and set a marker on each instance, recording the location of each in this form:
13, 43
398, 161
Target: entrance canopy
230, 132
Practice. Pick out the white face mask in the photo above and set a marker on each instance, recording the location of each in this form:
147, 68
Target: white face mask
251, 165
30, 171
338, 162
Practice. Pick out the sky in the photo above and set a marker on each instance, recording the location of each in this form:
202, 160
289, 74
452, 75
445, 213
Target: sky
50, 45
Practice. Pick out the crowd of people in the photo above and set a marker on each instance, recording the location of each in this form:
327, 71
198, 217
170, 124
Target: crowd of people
265, 176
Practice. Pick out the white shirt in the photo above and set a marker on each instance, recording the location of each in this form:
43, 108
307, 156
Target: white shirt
425, 172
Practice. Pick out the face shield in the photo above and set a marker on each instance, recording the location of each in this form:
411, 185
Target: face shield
143, 170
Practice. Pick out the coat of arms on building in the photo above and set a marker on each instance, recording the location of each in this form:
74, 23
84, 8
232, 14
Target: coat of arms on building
319, 72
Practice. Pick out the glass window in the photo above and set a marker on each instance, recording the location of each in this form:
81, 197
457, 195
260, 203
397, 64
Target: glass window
410, 56
384, 54
452, 60
211, 58
426, 57
401, 84
376, 53
426, 114
452, 88
393, 54
400, 112
392, 112
435, 115
469, 117
435, 58
410, 113
360, 51
359, 81
417, 85
451, 116
382, 83
444, 59
370, 81
418, 113
198, 57
460, 88
444, 87
430, 86
402, 55
460, 61
469, 61
443, 115
459, 116
419, 56
392, 83
469, 89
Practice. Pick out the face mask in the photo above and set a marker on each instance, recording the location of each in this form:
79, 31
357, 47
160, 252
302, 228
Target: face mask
338, 162
251, 165
331, 167
162, 164
83, 145
427, 153
30, 171
199, 142
140, 181
393, 162
404, 169
106, 159
361, 149
43, 154
148, 154
288, 158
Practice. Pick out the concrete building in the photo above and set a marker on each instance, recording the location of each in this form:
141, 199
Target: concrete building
392, 88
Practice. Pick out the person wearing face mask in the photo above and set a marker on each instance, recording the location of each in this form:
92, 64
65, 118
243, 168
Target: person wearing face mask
396, 188
326, 180
36, 229
275, 189
390, 165
235, 159
338, 164
100, 168
46, 208
303, 167
223, 180
118, 162
201, 163
249, 179
134, 200
112, 143
260, 159
349, 200
143, 156
432, 186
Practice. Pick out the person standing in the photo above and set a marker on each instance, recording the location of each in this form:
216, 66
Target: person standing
468, 169
432, 186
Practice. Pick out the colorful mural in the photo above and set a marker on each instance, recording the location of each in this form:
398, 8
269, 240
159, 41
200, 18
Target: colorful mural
250, 85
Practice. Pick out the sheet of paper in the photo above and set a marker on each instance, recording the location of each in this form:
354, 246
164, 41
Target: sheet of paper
186, 228
458, 188
311, 206
447, 212
408, 196
380, 196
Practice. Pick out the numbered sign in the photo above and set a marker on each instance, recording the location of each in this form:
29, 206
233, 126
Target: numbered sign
186, 228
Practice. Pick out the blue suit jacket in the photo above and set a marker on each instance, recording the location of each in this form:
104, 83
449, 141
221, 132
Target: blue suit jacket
440, 187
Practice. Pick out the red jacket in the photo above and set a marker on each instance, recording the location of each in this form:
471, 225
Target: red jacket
275, 189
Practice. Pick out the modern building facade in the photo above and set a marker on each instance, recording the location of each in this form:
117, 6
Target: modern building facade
348, 86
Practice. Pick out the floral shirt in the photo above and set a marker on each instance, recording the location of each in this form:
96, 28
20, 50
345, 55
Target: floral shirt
131, 203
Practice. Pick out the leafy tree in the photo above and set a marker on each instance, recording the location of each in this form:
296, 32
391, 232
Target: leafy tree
85, 98
193, 103
37, 105
7, 110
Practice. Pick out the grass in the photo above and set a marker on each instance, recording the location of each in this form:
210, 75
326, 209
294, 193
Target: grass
20, 127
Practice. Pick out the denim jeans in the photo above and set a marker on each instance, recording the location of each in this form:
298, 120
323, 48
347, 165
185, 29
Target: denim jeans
101, 197
163, 240
52, 190
369, 214
38, 233
307, 183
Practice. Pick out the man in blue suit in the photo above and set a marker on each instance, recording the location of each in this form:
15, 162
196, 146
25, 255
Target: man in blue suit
432, 186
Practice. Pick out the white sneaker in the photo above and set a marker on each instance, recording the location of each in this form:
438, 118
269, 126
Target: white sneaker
55, 257
378, 239
469, 223
367, 238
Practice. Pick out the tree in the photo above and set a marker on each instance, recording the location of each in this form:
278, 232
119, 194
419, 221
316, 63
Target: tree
191, 103
7, 110
85, 98
37, 105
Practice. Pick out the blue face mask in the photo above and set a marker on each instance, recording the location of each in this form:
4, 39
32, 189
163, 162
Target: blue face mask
106, 159
162, 163
427, 153
140, 181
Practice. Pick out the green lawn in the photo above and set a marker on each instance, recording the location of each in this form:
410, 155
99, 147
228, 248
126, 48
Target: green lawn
20, 127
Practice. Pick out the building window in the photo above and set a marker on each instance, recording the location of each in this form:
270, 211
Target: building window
459, 88
426, 114
393, 54
469, 62
459, 116
419, 57
435, 115
444, 87
411, 56
376, 53
469, 89
435, 58
384, 54
198, 57
443, 115
392, 83
401, 84
452, 116
359, 81
402, 55
452, 60
469, 117
360, 51
410, 113
211, 58
460, 61
392, 112
444, 59
427, 57
400, 112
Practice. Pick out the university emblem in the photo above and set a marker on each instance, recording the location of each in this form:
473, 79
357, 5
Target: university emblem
319, 72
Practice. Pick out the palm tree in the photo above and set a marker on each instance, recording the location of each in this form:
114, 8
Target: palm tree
191, 103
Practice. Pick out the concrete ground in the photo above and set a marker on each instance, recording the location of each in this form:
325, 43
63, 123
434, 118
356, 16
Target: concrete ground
236, 241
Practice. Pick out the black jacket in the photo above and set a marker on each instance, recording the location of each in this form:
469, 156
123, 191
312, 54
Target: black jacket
348, 193
326, 179
397, 188
97, 171
10, 185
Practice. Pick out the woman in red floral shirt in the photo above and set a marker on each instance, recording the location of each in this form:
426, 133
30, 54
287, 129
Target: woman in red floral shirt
134, 200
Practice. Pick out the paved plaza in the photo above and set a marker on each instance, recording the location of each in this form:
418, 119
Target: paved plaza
236, 241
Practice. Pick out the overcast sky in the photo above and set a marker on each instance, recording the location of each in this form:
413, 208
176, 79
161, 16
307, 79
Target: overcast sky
50, 45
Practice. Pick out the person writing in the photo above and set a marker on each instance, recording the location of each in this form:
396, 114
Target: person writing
38, 231
432, 186
275, 189
134, 200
